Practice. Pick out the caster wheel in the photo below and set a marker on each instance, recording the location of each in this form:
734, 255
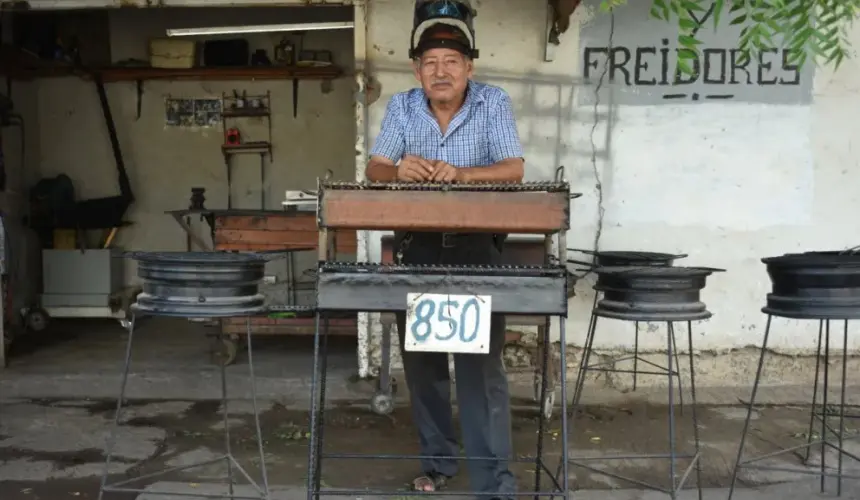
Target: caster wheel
36, 320
382, 404
548, 405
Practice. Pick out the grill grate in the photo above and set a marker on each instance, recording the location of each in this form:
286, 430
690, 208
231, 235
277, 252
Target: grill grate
514, 271
551, 187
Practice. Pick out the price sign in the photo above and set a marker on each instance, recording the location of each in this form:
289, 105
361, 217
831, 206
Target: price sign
448, 323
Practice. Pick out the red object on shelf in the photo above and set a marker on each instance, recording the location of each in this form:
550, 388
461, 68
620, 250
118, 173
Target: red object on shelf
232, 137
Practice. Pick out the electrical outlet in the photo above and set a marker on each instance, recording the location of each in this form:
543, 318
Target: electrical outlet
270, 280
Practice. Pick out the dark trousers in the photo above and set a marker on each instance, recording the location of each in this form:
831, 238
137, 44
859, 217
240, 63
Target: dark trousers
482, 384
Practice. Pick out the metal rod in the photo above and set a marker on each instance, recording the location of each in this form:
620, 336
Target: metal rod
312, 449
263, 471
670, 337
694, 403
635, 354
225, 411
678, 368
824, 401
179, 494
750, 408
842, 405
562, 328
814, 391
111, 442
542, 419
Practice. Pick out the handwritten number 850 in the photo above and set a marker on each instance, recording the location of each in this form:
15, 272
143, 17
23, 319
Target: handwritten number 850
421, 327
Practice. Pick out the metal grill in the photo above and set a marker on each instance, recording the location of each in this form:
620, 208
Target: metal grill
346, 286
535, 208
504, 187
498, 208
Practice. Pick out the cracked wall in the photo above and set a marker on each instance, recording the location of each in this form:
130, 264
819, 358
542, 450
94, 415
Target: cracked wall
725, 182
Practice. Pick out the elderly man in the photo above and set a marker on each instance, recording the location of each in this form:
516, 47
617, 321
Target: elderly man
453, 129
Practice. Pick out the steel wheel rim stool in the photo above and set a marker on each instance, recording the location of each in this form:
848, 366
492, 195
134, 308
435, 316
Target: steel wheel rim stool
653, 294
626, 259
196, 285
822, 286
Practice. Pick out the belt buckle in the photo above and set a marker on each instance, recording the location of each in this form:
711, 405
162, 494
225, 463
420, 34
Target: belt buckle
449, 240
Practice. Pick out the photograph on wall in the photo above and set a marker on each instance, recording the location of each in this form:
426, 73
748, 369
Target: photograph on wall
192, 112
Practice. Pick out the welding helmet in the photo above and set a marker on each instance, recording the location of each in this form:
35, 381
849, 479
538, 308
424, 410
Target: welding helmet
443, 23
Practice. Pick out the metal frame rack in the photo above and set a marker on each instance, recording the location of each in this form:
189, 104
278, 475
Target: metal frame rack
664, 294
196, 285
536, 208
822, 286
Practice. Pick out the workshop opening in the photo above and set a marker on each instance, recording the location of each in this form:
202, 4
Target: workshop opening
182, 129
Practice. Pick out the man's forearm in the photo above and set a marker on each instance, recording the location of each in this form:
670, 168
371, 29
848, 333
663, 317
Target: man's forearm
380, 172
510, 170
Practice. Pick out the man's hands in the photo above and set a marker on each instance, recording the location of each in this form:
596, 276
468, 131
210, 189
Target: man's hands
417, 169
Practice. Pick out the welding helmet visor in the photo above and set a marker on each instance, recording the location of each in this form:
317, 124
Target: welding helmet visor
456, 14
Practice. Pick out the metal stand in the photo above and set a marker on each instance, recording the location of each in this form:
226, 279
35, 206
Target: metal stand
671, 372
536, 208
227, 458
338, 287
821, 412
589, 343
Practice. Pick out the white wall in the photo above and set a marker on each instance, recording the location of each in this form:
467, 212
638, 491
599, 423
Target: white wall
726, 182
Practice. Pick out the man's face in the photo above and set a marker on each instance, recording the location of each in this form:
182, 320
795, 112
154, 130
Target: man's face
444, 74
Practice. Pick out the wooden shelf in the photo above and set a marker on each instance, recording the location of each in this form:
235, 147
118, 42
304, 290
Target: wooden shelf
257, 147
245, 112
19, 64
227, 73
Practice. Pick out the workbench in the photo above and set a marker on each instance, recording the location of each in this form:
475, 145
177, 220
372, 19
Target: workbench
266, 231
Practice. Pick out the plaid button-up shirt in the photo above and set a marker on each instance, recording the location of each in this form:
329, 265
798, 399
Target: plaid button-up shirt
483, 131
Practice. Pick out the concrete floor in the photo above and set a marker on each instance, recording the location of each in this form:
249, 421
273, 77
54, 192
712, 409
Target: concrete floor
55, 413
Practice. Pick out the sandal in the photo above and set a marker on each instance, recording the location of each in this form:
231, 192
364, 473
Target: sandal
429, 482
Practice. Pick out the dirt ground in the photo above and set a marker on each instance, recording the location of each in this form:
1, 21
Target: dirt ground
183, 432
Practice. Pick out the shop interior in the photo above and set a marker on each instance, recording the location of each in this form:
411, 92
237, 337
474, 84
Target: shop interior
181, 129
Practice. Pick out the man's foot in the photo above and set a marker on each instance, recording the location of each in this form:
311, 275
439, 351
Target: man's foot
432, 481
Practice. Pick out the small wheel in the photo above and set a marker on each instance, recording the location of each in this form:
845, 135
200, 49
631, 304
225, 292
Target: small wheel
37, 320
548, 405
382, 404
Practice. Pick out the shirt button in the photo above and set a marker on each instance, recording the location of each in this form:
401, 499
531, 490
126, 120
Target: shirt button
442, 144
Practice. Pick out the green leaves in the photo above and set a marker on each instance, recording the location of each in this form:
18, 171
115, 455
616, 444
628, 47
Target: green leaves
804, 28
